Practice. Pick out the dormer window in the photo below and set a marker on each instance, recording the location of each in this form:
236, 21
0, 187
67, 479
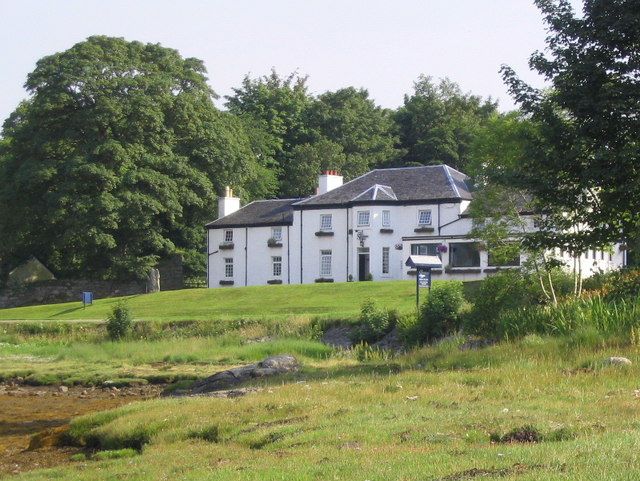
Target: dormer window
326, 222
228, 235
424, 217
363, 218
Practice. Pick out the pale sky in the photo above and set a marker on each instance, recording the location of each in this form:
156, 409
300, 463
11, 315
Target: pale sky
380, 45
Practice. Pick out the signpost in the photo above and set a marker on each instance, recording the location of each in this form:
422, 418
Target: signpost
87, 298
423, 266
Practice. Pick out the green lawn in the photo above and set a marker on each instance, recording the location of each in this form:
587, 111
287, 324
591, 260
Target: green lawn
427, 415
334, 301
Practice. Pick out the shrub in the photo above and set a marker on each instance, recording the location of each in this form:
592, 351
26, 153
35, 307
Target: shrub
440, 314
622, 285
408, 328
375, 322
119, 321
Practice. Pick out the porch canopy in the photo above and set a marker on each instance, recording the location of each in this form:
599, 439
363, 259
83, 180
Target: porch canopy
424, 262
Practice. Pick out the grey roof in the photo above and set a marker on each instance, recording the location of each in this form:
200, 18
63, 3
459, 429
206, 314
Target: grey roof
400, 185
385, 186
259, 213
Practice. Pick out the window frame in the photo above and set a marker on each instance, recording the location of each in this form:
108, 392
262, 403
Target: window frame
228, 267
274, 229
368, 215
386, 256
452, 256
324, 255
276, 262
385, 222
228, 235
324, 228
430, 217
416, 251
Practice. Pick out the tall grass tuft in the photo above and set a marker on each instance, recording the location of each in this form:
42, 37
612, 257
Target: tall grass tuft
607, 318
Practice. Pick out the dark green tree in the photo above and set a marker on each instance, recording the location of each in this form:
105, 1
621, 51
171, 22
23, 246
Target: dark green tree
308, 160
365, 131
277, 109
115, 160
583, 168
437, 123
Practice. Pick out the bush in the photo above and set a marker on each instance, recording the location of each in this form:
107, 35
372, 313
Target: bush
375, 323
510, 290
119, 321
408, 328
440, 314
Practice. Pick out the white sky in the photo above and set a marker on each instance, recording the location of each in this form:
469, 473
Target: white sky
382, 45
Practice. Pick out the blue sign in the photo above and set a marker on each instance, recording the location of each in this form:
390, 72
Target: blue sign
424, 278
87, 298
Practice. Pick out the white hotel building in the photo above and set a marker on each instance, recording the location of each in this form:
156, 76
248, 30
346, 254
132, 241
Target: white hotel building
363, 229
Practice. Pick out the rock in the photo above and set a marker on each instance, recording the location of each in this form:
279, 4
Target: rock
63, 388
617, 361
391, 341
339, 336
271, 366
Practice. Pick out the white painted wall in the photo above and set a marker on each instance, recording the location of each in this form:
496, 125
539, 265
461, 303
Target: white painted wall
304, 263
257, 258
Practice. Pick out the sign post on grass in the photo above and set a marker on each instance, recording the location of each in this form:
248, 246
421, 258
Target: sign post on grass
423, 266
87, 298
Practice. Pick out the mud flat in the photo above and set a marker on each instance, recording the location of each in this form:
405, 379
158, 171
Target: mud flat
32, 419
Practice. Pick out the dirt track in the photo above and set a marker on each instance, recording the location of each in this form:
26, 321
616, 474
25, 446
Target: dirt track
32, 419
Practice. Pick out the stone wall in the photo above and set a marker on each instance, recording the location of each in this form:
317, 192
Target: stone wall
171, 273
48, 292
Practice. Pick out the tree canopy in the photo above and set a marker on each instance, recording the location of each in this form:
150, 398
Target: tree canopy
438, 121
115, 160
583, 165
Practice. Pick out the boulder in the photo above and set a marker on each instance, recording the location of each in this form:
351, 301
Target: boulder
617, 361
270, 366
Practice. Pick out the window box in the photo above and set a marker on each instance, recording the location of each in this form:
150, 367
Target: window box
323, 279
226, 283
324, 233
423, 229
274, 281
225, 246
386, 231
274, 243
463, 270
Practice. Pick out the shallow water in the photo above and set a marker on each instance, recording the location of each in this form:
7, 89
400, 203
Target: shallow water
33, 418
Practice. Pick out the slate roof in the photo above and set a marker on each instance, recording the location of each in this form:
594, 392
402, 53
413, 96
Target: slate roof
259, 213
386, 186
406, 184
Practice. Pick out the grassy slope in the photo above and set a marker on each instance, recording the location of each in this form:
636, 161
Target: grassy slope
427, 416
336, 301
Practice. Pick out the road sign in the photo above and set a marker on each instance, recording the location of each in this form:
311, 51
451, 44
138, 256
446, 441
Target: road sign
424, 278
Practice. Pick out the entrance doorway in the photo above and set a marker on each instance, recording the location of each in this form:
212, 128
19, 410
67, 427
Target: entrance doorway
363, 265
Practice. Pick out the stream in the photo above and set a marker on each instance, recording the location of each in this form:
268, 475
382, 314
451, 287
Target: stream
32, 419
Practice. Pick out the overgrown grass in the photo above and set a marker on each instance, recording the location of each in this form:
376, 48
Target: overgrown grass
593, 314
134, 361
437, 413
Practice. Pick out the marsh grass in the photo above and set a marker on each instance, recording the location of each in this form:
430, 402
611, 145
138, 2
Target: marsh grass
428, 414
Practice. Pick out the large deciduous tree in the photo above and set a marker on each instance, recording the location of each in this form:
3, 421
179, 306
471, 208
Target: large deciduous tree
277, 110
115, 160
583, 170
437, 123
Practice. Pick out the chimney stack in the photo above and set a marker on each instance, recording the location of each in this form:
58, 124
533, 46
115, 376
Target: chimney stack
227, 204
328, 180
